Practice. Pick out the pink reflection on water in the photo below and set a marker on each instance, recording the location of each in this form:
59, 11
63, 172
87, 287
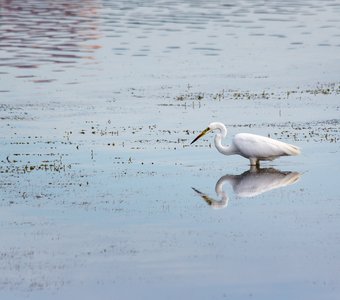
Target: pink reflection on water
40, 33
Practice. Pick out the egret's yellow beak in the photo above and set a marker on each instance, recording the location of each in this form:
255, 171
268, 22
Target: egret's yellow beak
204, 132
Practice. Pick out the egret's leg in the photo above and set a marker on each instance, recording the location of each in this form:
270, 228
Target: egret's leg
254, 161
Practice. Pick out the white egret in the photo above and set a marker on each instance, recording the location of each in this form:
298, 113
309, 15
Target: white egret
251, 146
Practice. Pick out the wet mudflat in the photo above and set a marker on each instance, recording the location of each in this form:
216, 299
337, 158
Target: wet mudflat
101, 194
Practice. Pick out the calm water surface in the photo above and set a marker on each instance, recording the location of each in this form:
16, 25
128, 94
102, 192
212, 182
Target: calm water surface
101, 194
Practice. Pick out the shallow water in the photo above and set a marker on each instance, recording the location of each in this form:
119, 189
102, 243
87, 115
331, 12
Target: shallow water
101, 194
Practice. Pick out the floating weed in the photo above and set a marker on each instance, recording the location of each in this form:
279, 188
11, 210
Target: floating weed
231, 94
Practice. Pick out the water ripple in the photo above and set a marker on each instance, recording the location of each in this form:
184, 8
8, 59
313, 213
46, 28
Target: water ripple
59, 36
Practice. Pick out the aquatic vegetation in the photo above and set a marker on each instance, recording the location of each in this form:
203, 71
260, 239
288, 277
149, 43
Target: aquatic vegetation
230, 94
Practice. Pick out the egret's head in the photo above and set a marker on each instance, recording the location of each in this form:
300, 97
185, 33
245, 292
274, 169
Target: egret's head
212, 126
204, 132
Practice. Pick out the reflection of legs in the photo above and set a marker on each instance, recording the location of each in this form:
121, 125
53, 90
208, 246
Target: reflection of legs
254, 168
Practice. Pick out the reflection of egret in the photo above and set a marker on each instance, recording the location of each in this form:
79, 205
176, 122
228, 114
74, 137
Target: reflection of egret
251, 146
250, 184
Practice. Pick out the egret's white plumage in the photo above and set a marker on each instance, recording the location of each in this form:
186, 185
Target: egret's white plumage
251, 146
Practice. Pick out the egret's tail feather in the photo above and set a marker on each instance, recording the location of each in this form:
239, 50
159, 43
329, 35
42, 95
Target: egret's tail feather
292, 150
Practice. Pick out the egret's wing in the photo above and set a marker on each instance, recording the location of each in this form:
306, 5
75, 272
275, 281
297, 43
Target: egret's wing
252, 145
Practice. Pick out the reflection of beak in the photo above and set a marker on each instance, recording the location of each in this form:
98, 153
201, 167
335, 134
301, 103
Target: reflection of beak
204, 197
204, 132
215, 204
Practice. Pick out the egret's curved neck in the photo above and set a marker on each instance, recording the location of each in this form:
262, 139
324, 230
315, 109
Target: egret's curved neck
226, 150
